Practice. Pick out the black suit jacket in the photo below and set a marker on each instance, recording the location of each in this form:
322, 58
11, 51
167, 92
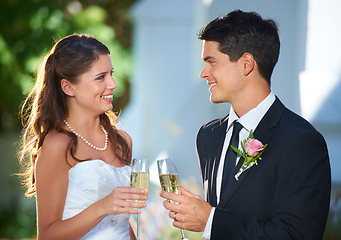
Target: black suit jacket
286, 196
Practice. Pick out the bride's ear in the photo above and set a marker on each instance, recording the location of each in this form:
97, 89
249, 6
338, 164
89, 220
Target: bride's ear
67, 88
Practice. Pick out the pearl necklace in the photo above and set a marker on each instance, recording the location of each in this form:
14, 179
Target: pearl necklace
87, 142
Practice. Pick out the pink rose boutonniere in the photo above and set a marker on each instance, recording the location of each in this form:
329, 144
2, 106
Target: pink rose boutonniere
251, 151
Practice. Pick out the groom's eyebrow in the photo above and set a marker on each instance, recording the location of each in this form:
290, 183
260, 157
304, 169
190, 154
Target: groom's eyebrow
208, 58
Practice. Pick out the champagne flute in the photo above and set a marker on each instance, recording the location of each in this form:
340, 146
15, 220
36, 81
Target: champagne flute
139, 178
169, 180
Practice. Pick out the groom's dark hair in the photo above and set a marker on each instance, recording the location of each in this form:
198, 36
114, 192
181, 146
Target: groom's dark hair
239, 32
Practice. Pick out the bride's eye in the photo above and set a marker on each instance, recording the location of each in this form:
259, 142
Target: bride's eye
101, 77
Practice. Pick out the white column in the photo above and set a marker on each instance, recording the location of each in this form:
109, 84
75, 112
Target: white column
320, 82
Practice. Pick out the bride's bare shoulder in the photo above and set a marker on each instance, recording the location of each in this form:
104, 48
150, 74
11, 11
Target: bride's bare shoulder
56, 141
54, 148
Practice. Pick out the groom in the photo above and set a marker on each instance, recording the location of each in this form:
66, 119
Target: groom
285, 196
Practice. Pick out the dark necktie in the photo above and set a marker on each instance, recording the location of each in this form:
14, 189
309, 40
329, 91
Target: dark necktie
231, 156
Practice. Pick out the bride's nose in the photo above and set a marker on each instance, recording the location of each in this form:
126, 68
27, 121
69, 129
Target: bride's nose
112, 83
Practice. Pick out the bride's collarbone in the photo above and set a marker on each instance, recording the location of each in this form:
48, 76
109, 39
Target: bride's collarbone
110, 159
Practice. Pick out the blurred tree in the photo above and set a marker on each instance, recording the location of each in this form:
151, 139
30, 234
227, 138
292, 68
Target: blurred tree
28, 29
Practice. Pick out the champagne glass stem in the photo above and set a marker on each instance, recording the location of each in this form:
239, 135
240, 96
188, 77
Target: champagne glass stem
138, 227
183, 235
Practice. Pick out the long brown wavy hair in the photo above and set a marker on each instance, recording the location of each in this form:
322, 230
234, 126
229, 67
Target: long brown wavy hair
46, 106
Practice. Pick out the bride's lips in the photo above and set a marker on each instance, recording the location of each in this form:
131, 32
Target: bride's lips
107, 97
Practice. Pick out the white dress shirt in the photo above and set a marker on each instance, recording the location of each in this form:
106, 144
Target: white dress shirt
250, 121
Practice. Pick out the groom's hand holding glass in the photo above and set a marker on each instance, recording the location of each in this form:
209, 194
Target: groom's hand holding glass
191, 213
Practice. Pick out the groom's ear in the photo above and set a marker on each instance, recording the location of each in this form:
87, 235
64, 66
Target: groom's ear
248, 63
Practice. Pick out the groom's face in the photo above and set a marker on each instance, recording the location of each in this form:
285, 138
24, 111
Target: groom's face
223, 75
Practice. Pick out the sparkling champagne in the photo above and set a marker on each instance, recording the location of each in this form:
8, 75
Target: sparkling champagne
170, 183
140, 180
169, 180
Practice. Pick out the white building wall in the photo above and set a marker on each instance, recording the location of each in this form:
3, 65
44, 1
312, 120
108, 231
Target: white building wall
320, 81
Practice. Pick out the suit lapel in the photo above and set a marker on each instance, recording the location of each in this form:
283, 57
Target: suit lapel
262, 133
232, 185
219, 133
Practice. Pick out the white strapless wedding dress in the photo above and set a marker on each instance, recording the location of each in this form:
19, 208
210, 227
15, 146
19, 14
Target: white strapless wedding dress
90, 181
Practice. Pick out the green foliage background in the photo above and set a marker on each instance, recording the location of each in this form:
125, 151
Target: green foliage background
28, 30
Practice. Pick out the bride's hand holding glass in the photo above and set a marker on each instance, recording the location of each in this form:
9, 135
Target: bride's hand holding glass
124, 200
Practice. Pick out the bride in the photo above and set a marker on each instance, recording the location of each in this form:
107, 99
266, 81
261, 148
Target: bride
79, 161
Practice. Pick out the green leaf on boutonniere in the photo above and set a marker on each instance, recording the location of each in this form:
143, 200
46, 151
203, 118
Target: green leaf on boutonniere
240, 153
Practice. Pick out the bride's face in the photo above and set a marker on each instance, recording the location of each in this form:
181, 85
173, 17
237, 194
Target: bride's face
94, 89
